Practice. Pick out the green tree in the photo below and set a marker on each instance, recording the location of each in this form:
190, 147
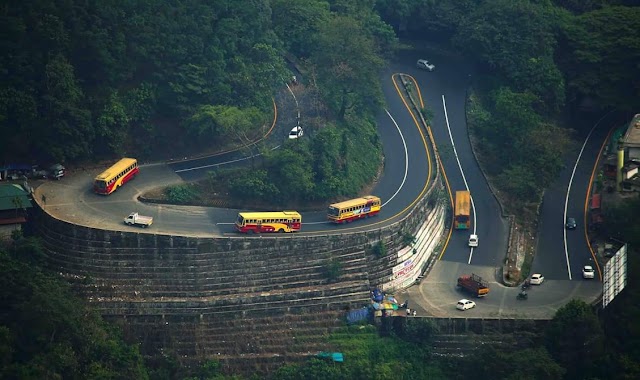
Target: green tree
347, 64
333, 269
519, 181
621, 221
513, 119
292, 173
543, 151
580, 6
47, 332
113, 124
505, 34
328, 163
600, 55
528, 364
575, 339
225, 122
297, 22
253, 185
69, 131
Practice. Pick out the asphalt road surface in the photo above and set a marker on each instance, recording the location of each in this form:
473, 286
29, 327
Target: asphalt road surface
444, 93
408, 167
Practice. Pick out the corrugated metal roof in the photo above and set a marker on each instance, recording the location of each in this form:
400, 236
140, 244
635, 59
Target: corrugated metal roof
632, 136
13, 196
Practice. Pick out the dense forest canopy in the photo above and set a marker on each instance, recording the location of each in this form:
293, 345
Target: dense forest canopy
543, 69
102, 77
47, 332
91, 80
537, 46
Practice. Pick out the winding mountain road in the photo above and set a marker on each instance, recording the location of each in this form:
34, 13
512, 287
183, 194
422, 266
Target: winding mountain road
409, 165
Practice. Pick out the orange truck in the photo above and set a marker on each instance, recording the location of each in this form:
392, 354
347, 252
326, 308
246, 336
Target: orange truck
473, 284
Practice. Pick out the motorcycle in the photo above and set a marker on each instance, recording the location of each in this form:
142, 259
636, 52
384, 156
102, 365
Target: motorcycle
523, 295
526, 285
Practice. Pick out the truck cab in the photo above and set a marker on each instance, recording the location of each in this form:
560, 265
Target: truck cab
138, 220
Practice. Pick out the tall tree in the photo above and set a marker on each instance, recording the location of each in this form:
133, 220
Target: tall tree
297, 22
67, 131
575, 339
347, 64
601, 57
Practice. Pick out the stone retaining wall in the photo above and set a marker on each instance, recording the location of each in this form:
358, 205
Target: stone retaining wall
170, 293
251, 302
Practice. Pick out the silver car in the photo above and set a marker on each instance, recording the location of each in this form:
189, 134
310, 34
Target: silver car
425, 65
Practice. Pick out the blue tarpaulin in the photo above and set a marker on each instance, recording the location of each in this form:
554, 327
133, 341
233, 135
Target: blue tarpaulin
355, 316
377, 295
335, 356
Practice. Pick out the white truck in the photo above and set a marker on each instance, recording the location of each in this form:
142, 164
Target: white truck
136, 219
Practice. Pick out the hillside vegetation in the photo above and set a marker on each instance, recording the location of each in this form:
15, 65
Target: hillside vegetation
544, 70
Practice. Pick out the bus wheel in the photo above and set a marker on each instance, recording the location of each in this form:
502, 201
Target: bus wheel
280, 230
251, 232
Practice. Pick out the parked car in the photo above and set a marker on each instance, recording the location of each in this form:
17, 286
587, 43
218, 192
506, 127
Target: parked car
536, 279
571, 224
425, 65
56, 171
465, 304
296, 132
588, 272
473, 240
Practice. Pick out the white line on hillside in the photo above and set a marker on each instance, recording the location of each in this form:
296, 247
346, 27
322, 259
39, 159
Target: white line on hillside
222, 163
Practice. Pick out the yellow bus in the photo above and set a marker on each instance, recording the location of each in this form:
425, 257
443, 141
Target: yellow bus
462, 219
271, 221
348, 211
117, 175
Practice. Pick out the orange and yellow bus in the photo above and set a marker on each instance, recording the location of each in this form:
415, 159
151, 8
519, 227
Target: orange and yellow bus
117, 175
347, 211
274, 221
463, 210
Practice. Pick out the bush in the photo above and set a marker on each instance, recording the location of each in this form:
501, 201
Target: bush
182, 194
379, 249
333, 269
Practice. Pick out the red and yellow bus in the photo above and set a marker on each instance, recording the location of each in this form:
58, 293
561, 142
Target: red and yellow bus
348, 211
273, 221
117, 175
462, 211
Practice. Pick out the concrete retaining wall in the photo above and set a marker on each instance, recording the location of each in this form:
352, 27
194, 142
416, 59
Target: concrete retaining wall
249, 302
172, 292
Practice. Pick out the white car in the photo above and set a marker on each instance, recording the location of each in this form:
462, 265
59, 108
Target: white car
425, 65
588, 272
465, 304
536, 279
473, 241
296, 132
